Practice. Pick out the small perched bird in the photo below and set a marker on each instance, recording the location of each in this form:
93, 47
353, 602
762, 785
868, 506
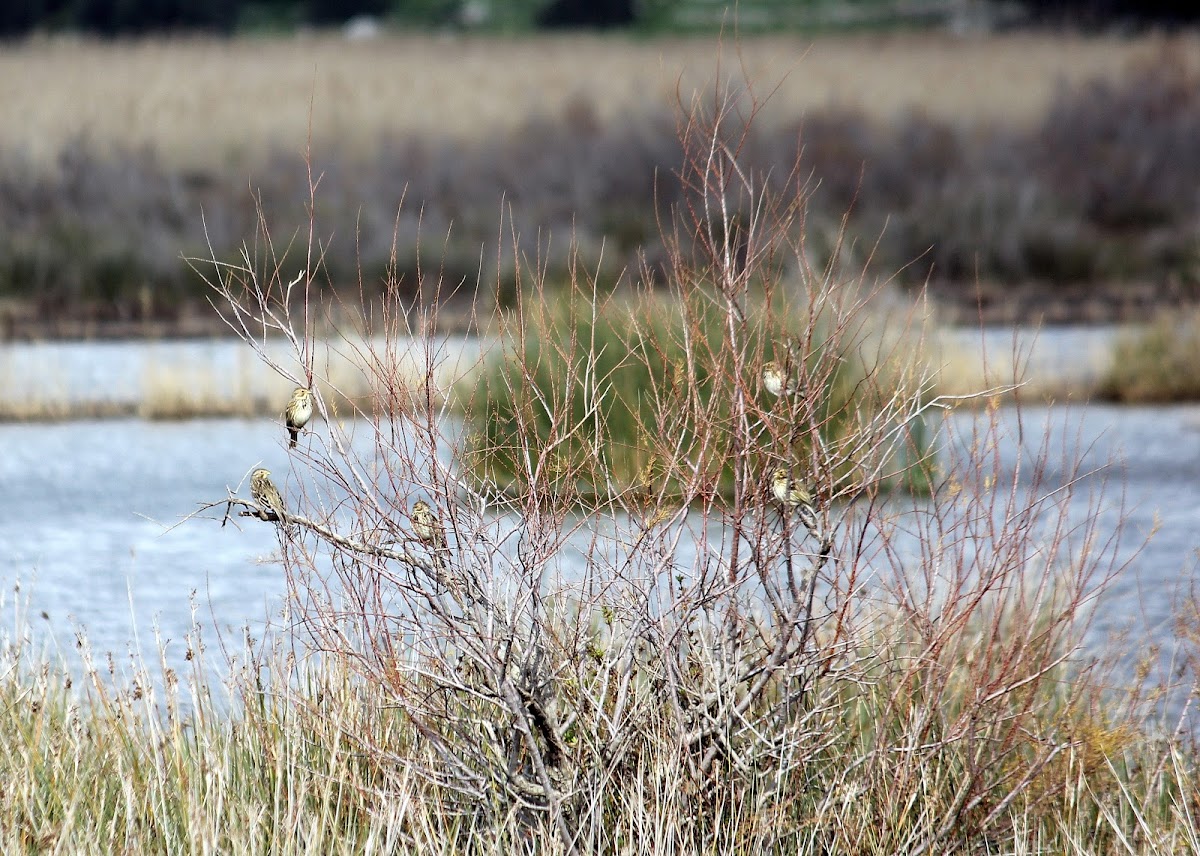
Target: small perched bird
264, 492
297, 413
429, 530
427, 526
793, 495
777, 381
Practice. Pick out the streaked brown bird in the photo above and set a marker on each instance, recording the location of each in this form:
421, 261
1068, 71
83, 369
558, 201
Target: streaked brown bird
777, 381
297, 413
429, 529
426, 525
264, 492
792, 495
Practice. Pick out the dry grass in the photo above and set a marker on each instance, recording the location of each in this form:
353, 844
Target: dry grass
271, 759
201, 101
447, 145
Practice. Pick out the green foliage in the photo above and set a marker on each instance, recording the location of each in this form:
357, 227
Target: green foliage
770, 15
437, 13
264, 17
1157, 364
598, 396
571, 379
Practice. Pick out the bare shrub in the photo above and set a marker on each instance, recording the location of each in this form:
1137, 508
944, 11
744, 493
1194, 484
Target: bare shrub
597, 654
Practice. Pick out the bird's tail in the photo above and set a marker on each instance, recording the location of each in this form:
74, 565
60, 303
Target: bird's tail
808, 516
295, 432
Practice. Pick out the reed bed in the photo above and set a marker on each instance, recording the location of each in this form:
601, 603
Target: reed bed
205, 102
1072, 207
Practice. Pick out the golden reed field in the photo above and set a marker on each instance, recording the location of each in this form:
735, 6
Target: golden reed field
201, 100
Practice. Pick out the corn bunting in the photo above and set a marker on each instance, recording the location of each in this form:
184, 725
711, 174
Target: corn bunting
427, 526
793, 495
297, 413
776, 381
264, 492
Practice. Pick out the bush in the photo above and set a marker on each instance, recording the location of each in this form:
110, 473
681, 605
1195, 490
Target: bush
636, 381
1157, 364
616, 633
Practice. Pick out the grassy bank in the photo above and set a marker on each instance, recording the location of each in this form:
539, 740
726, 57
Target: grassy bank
1079, 189
201, 378
303, 758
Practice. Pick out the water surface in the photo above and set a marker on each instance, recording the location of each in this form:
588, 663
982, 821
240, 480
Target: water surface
90, 514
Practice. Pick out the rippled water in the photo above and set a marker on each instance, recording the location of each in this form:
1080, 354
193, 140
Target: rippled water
90, 518
1144, 465
90, 515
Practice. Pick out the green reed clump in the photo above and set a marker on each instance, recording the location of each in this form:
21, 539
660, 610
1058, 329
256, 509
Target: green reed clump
593, 362
1156, 364
603, 394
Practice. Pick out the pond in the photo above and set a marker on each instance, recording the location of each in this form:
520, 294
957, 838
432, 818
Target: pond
91, 511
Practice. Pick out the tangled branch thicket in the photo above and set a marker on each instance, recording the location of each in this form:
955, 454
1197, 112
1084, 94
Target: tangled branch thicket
636, 645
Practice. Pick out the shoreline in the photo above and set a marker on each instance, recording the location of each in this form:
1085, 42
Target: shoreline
177, 379
956, 306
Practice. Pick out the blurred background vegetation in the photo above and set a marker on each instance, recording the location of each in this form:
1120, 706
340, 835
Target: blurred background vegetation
132, 154
1100, 190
